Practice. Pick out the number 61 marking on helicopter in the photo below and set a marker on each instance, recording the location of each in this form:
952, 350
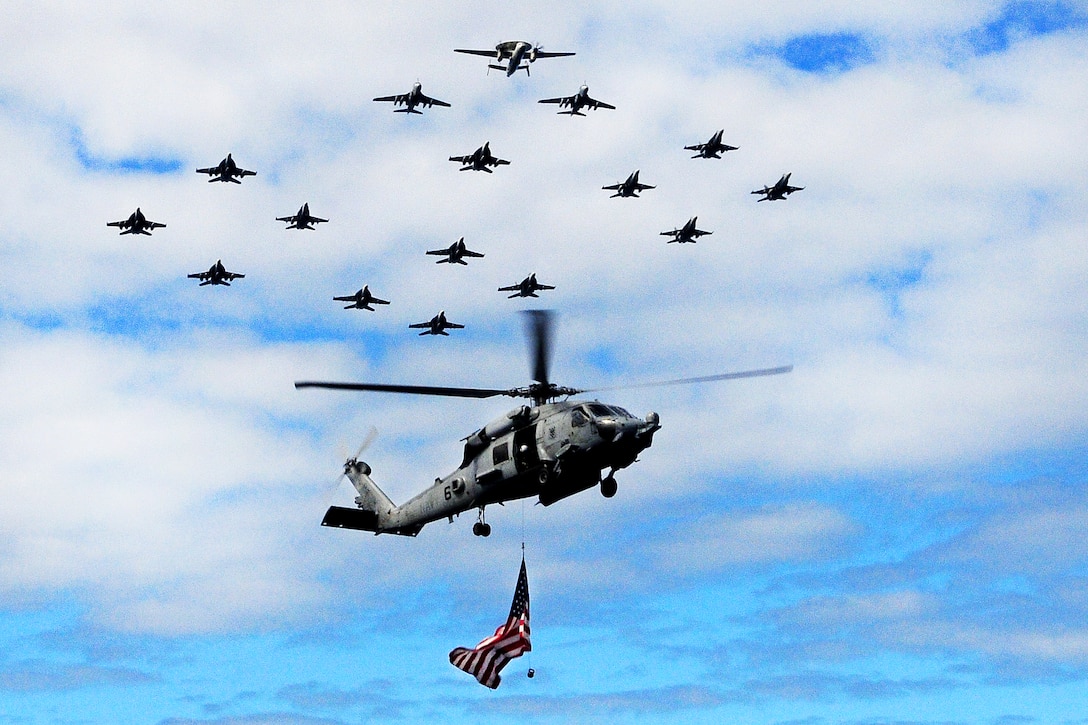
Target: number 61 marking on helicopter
552, 449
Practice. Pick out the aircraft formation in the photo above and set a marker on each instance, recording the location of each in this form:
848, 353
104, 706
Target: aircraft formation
552, 449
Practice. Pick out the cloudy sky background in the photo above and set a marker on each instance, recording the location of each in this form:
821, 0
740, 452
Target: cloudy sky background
895, 532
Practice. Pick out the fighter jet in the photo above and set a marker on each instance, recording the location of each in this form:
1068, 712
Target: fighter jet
631, 187
526, 288
437, 325
686, 233
216, 274
226, 171
712, 149
361, 300
780, 190
411, 99
302, 220
136, 223
455, 253
480, 159
514, 52
577, 102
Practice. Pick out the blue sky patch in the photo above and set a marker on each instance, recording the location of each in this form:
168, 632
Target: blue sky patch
1021, 20
123, 164
823, 52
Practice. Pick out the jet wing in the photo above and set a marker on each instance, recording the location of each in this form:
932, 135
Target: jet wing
593, 102
288, 219
351, 298
153, 225
486, 53
562, 100
316, 220
642, 187
209, 170
234, 275
245, 172
399, 98
613, 187
696, 147
511, 288
470, 253
420, 325
427, 100
198, 275
461, 159
498, 162
376, 301
454, 326
116, 224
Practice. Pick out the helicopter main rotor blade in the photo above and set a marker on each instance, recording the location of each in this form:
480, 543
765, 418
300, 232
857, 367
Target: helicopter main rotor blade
410, 389
539, 329
704, 379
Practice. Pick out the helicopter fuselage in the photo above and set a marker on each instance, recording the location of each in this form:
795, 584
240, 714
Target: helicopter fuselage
550, 451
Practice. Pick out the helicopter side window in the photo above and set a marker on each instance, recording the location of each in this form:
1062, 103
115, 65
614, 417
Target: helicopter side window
577, 418
500, 453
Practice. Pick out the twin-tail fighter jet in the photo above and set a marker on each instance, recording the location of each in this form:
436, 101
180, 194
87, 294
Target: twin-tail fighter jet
302, 220
455, 253
437, 325
480, 159
411, 99
361, 300
227, 170
631, 187
136, 223
712, 149
779, 191
527, 287
514, 52
577, 102
686, 233
216, 274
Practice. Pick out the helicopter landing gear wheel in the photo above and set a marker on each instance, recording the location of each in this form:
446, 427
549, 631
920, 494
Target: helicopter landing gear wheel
481, 528
544, 476
609, 487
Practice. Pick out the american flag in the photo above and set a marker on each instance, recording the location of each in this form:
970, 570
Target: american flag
486, 660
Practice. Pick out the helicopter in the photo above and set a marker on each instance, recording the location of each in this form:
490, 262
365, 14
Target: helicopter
551, 449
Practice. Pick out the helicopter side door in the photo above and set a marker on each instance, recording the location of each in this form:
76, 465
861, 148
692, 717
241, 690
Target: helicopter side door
526, 454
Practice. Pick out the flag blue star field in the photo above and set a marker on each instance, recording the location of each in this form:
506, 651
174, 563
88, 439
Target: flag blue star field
486, 660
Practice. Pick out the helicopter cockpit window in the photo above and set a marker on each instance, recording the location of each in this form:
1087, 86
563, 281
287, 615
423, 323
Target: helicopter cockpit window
500, 453
577, 418
621, 412
599, 411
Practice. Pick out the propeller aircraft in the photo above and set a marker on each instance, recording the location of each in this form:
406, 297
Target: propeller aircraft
552, 449
513, 52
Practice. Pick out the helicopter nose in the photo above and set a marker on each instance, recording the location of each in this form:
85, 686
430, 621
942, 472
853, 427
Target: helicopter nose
607, 429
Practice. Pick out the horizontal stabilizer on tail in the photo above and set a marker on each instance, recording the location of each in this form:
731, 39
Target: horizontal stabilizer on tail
341, 517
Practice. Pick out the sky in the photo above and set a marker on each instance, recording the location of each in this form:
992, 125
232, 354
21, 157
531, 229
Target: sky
895, 532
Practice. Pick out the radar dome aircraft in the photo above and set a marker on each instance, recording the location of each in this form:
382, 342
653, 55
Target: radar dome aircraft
513, 52
551, 449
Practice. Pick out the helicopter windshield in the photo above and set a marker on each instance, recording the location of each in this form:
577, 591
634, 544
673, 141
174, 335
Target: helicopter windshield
599, 411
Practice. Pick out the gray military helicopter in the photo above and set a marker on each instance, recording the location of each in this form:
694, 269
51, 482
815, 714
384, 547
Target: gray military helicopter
551, 449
